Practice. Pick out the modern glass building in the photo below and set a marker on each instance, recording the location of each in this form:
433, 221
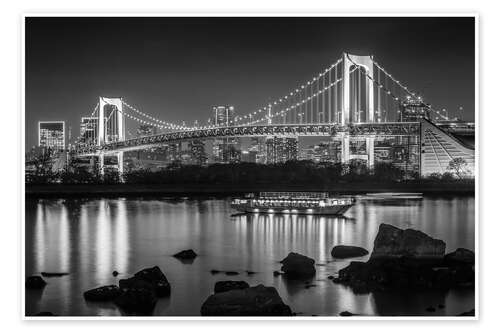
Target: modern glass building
51, 134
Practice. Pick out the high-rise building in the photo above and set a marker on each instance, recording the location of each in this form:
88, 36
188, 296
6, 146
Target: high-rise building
258, 147
281, 149
225, 150
413, 109
197, 152
51, 134
88, 130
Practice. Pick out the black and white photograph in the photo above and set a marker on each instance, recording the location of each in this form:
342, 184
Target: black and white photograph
182, 166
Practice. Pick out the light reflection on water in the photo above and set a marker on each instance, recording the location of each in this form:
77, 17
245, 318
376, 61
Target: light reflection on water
91, 238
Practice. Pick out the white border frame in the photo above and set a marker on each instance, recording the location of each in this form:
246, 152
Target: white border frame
268, 13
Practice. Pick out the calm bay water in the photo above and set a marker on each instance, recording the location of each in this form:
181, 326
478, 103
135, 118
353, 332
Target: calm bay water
90, 238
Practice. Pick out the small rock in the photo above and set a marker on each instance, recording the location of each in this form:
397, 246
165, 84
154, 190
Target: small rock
310, 286
330, 277
277, 273
148, 278
231, 273
460, 256
102, 294
214, 271
222, 286
115, 273
346, 251
53, 274
253, 301
346, 314
250, 272
186, 255
431, 309
35, 282
298, 266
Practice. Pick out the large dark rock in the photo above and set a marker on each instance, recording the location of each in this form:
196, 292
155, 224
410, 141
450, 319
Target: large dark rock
35, 282
405, 274
298, 266
149, 278
102, 294
253, 301
460, 256
222, 286
136, 301
346, 251
186, 255
394, 242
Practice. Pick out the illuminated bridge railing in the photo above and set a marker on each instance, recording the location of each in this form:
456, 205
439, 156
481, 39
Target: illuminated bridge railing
355, 129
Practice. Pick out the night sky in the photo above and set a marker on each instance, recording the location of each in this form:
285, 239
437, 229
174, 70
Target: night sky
178, 68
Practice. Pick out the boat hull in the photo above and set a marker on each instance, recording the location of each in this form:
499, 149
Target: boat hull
331, 210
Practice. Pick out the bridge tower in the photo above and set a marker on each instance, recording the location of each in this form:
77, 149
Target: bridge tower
111, 127
365, 62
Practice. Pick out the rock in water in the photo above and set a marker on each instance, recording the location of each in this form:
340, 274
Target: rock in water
35, 282
253, 301
186, 255
222, 286
394, 242
298, 266
102, 294
346, 251
152, 278
136, 301
115, 273
460, 256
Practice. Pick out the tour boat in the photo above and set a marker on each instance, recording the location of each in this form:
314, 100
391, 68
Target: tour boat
310, 203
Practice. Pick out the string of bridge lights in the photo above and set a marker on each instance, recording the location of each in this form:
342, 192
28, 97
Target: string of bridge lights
405, 88
290, 95
294, 106
164, 123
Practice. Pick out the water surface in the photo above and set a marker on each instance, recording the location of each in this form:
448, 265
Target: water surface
90, 238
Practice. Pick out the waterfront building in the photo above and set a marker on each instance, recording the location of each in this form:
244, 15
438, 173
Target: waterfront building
197, 152
281, 149
51, 134
225, 150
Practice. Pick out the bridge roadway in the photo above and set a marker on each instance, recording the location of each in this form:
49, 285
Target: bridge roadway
326, 129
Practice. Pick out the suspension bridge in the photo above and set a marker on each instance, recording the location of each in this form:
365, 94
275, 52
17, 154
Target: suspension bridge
354, 98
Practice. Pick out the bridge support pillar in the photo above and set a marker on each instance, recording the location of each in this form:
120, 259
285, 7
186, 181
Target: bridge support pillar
370, 151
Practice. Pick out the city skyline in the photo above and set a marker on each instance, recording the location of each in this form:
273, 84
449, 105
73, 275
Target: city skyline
199, 62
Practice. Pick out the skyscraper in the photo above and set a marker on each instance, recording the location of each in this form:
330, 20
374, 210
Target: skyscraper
197, 152
88, 130
225, 150
281, 149
51, 134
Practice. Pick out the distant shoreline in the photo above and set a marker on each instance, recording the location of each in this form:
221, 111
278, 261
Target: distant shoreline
131, 190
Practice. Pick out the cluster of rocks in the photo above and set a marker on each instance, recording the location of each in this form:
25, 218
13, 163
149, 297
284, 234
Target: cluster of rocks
409, 259
136, 295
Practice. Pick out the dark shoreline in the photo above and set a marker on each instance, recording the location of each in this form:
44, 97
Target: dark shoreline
141, 190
